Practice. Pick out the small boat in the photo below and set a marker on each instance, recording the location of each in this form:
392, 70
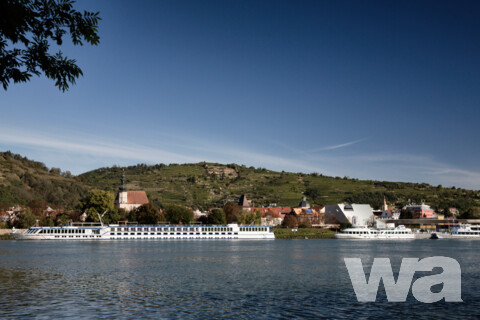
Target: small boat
365, 233
463, 231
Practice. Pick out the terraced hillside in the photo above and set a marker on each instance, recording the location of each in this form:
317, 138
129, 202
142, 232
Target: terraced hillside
202, 185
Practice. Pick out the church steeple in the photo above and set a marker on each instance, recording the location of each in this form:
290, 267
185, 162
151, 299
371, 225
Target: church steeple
123, 187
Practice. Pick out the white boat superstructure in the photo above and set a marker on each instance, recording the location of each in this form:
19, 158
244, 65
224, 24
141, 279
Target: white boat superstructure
154, 232
365, 233
463, 231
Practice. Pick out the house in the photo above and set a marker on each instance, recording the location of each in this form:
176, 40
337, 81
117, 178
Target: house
304, 212
356, 214
272, 216
421, 211
129, 200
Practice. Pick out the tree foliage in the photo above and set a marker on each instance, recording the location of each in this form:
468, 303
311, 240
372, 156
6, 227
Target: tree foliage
25, 219
232, 210
37, 206
290, 221
26, 29
98, 202
217, 216
249, 217
148, 214
178, 214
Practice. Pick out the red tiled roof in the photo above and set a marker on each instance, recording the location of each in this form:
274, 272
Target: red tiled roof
137, 197
274, 211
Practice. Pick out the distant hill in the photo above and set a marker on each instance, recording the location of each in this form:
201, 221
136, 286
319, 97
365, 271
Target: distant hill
203, 185
22, 180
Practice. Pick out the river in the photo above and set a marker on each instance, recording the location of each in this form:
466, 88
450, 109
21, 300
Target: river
214, 279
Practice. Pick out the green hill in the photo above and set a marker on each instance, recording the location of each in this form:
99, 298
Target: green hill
23, 180
203, 185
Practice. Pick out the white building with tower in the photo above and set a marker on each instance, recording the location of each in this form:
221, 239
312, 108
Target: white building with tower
129, 200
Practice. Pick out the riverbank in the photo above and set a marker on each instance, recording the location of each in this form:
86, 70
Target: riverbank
303, 233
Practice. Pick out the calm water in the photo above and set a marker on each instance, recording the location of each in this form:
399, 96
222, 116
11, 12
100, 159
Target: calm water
216, 279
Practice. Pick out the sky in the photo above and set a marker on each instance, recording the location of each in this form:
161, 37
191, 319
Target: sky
382, 90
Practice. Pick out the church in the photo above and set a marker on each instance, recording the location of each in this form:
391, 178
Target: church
129, 200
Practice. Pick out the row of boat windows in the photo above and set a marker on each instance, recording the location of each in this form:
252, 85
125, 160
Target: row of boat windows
172, 233
373, 232
63, 231
170, 229
186, 229
468, 233
253, 229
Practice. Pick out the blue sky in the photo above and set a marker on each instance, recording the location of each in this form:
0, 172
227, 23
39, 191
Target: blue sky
384, 90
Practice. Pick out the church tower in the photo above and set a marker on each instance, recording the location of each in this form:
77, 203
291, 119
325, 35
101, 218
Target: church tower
122, 191
385, 206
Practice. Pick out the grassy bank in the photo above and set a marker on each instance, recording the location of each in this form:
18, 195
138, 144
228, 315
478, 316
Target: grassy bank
6, 237
302, 233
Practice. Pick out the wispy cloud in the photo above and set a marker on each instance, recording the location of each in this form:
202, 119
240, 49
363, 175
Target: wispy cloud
80, 154
94, 147
338, 146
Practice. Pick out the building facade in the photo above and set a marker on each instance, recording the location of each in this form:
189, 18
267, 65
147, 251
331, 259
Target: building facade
356, 214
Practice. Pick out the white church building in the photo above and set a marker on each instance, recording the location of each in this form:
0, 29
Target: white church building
129, 200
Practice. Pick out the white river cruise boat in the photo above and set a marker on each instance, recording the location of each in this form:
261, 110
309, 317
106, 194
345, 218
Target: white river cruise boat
464, 231
137, 232
364, 233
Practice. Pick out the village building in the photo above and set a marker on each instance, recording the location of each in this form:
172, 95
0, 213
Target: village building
305, 213
356, 214
421, 211
272, 216
129, 200
386, 213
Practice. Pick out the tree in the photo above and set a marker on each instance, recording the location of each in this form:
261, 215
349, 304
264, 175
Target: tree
37, 206
26, 219
290, 221
471, 213
446, 211
304, 222
97, 202
148, 214
232, 210
247, 217
217, 216
178, 214
27, 27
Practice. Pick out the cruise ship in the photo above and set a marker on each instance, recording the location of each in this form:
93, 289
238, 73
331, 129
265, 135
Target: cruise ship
153, 232
365, 233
